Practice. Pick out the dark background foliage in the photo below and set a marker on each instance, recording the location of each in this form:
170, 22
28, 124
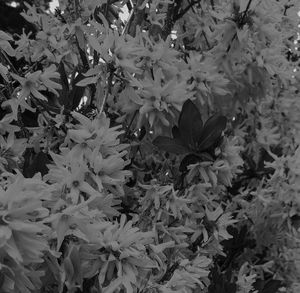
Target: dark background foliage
10, 19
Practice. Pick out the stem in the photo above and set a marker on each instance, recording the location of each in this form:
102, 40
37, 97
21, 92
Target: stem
9, 62
206, 40
247, 8
185, 10
130, 123
109, 85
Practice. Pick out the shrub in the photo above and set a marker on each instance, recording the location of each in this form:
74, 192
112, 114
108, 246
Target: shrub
159, 153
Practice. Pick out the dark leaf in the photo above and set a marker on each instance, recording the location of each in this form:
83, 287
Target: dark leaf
193, 159
72, 100
205, 157
190, 124
188, 160
64, 92
142, 133
77, 91
220, 282
296, 221
175, 133
212, 131
272, 286
38, 164
170, 145
269, 286
2, 279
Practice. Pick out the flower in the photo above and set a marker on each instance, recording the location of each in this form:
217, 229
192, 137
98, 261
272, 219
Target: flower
267, 135
222, 221
30, 85
46, 79
190, 275
109, 170
23, 236
10, 150
160, 96
70, 175
119, 253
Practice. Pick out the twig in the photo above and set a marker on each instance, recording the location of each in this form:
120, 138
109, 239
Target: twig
130, 123
9, 62
206, 40
247, 8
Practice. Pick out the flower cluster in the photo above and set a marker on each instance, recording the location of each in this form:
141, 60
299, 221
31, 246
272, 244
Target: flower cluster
23, 239
101, 190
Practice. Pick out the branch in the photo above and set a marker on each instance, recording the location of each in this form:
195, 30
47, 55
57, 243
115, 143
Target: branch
242, 21
172, 12
173, 15
247, 8
206, 40
136, 18
130, 123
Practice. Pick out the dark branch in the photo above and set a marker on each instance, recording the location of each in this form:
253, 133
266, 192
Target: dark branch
185, 10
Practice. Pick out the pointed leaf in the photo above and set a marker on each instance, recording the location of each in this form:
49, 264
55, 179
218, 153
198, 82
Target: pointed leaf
190, 124
76, 93
212, 131
87, 81
64, 92
61, 229
170, 145
271, 286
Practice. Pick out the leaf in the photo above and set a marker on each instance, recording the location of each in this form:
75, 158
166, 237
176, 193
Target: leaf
170, 145
188, 160
190, 124
211, 132
76, 93
80, 37
87, 81
64, 92
61, 229
175, 133
95, 44
193, 159
269, 286
76, 263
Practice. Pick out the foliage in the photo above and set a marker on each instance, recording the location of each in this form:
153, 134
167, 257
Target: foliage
111, 181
